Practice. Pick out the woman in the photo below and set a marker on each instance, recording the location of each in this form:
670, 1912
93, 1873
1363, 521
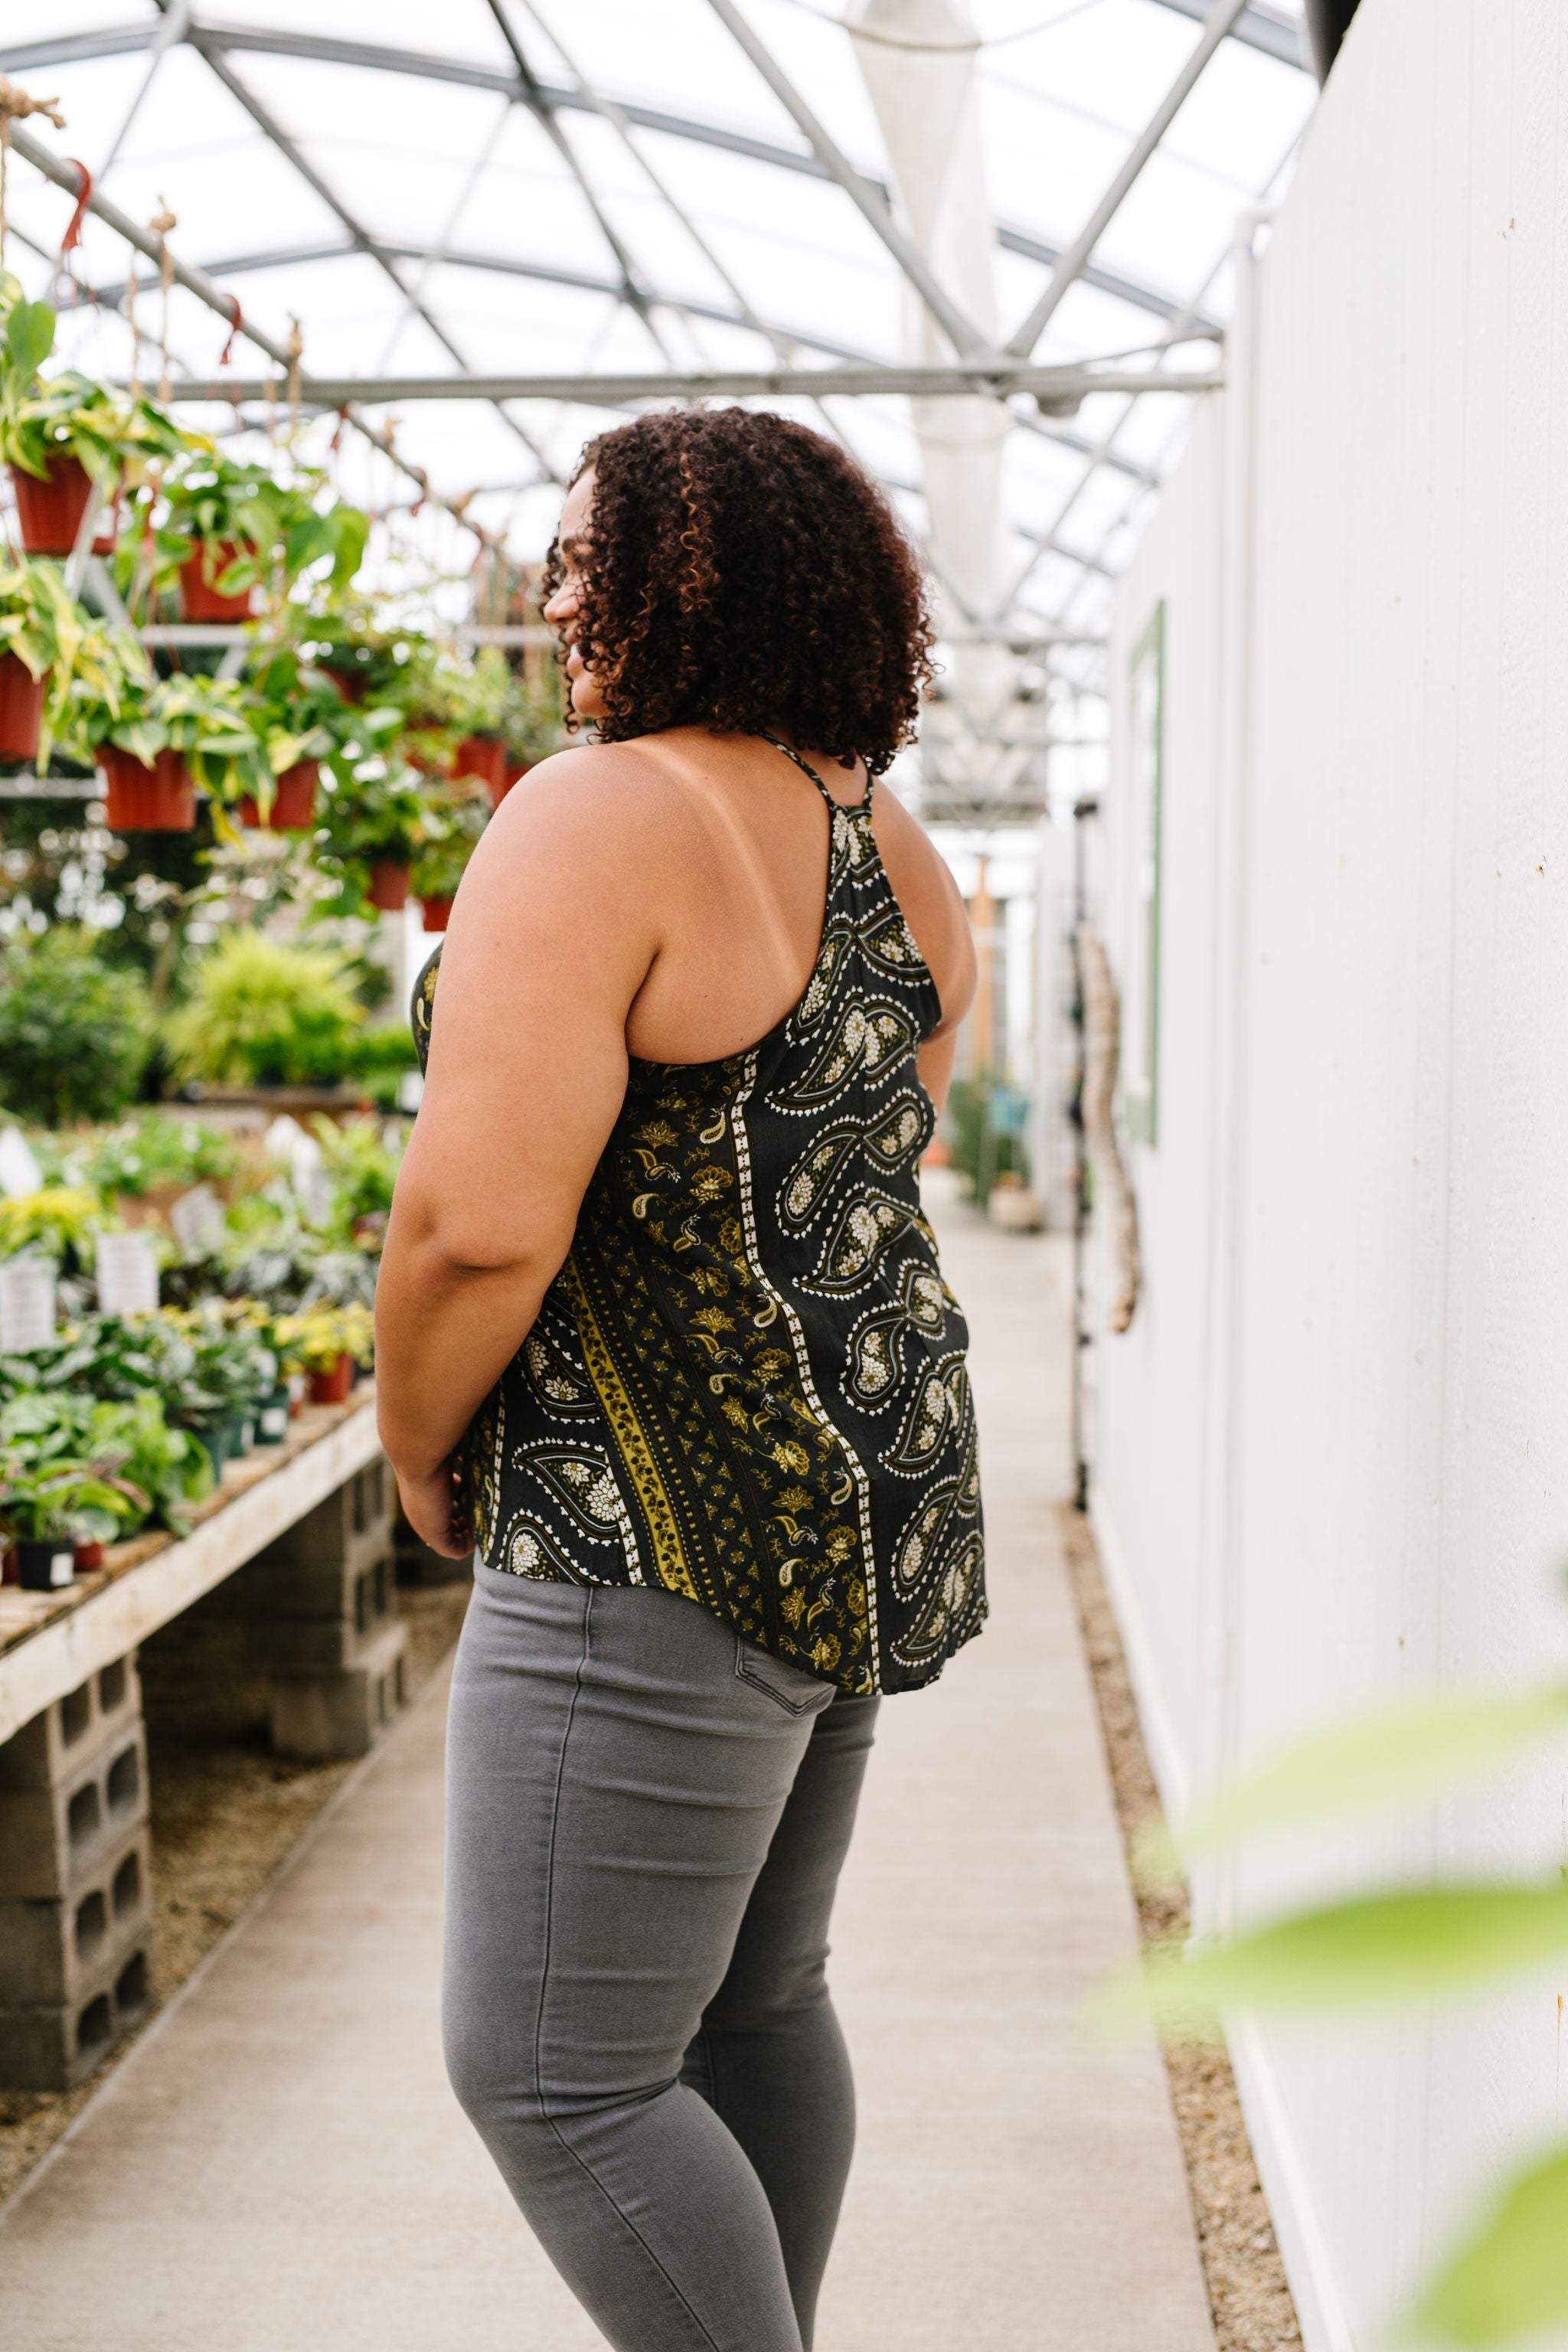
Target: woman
661, 1329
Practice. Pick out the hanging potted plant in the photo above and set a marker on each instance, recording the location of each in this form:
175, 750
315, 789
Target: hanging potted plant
62, 435
477, 701
375, 823
530, 726
452, 828
40, 629
329, 1345
180, 733
298, 719
226, 529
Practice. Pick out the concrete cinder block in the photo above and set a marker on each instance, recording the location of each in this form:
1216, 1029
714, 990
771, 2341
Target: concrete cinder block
353, 1524
52, 2046
52, 1952
57, 1741
359, 1590
54, 1839
340, 1713
417, 1564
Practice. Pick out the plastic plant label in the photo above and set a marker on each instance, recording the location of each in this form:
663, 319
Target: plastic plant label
62, 1567
197, 1220
27, 1305
127, 1274
20, 1174
315, 1193
272, 1421
283, 1137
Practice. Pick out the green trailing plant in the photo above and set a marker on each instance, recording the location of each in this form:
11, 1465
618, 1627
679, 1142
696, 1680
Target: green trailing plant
75, 1032
454, 820
362, 1165
1507, 2280
112, 437
258, 1012
249, 529
56, 640
380, 812
210, 721
533, 725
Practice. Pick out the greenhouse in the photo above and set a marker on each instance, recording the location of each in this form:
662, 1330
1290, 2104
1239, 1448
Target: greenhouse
1107, 448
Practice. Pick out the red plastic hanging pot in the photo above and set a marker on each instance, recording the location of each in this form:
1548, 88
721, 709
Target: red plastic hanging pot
388, 890
89, 1556
332, 1387
351, 682
293, 801
21, 709
485, 756
437, 912
49, 512
199, 600
159, 799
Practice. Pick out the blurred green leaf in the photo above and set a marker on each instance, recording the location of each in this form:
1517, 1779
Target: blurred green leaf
1407, 1946
1398, 1752
30, 336
1511, 2279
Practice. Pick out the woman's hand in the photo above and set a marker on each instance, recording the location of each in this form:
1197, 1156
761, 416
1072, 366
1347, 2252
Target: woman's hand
434, 1509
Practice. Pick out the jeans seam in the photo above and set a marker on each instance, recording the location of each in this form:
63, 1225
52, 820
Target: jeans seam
561, 2140
759, 1682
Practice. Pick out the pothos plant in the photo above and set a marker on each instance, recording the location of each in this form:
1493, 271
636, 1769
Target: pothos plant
249, 529
67, 415
46, 629
454, 820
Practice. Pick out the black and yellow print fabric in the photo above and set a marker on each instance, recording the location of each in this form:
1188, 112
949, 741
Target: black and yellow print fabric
747, 1383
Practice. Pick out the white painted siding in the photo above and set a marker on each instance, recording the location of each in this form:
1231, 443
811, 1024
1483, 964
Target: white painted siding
1332, 1453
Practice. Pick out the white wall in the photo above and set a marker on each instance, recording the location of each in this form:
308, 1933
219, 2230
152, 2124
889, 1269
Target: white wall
1332, 1453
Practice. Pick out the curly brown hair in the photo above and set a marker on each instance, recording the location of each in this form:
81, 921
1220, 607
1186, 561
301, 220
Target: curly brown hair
744, 574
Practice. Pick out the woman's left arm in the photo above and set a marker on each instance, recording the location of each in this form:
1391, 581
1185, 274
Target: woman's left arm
552, 939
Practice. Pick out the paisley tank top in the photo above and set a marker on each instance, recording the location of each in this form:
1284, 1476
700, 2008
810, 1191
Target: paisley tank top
747, 1383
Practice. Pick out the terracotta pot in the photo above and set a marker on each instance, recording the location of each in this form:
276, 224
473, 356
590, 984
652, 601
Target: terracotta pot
388, 887
21, 709
437, 912
483, 756
333, 1387
89, 1556
159, 799
352, 684
199, 601
49, 513
293, 801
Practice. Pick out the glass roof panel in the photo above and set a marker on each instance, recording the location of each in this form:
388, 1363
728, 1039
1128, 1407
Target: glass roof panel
392, 180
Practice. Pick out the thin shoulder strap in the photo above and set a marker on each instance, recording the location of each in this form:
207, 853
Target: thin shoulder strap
806, 766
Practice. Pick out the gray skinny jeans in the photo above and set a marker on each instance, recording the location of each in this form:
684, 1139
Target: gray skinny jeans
645, 1819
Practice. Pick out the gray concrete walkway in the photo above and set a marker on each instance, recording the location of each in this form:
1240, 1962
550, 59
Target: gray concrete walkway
279, 2166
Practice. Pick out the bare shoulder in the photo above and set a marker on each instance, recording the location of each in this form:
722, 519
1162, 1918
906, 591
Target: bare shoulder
934, 906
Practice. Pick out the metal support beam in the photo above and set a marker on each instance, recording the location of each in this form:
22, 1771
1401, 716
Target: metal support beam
265, 121
1217, 25
872, 205
1073, 383
467, 74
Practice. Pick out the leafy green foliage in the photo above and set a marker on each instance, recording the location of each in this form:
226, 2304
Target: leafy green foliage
146, 1154
1510, 2278
75, 1034
260, 1014
60, 1222
454, 819
71, 1445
